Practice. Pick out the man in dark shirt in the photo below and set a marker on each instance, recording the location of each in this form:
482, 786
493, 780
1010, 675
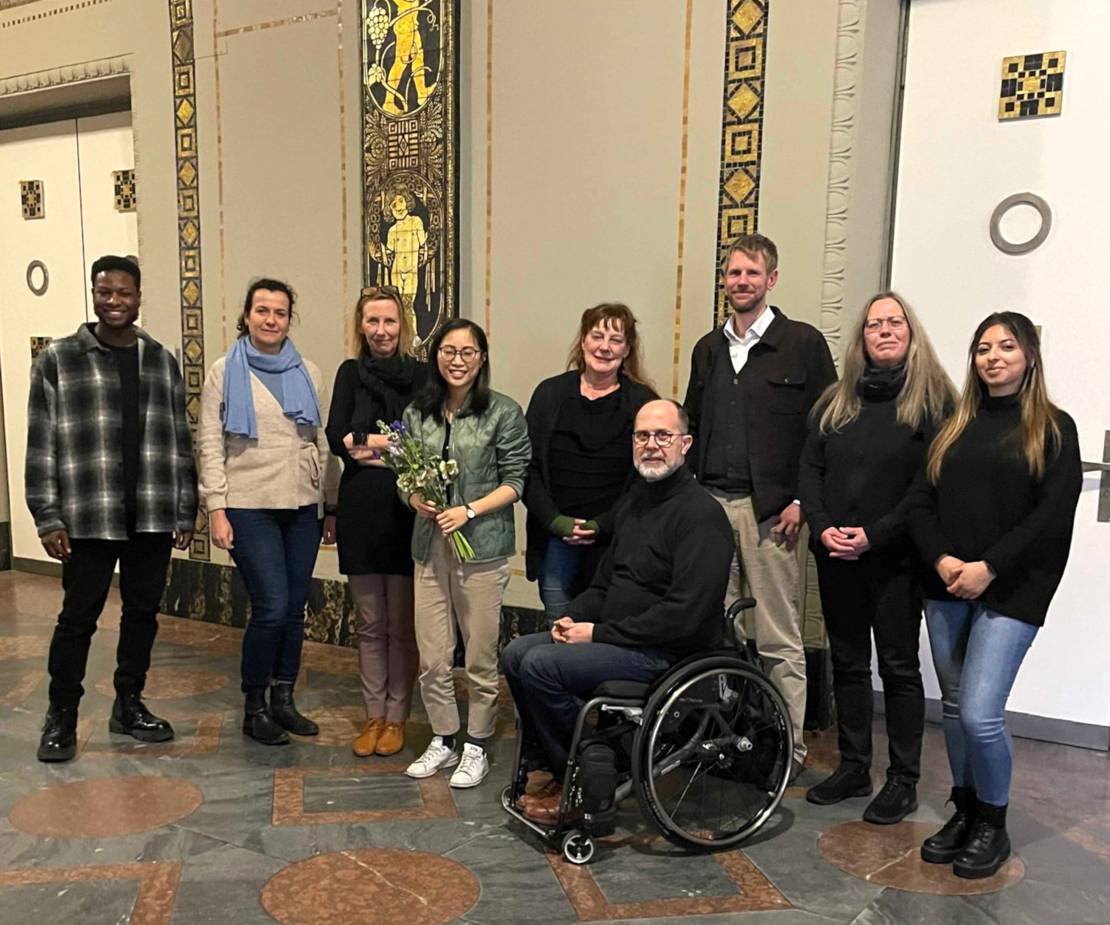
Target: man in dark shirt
110, 478
657, 596
752, 384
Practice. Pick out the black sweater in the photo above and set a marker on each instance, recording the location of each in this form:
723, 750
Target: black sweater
663, 579
860, 475
987, 507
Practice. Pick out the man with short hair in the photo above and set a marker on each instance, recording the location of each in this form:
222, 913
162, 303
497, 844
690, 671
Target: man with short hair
752, 384
657, 597
109, 478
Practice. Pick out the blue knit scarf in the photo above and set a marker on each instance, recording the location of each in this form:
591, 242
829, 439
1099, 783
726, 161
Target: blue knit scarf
299, 400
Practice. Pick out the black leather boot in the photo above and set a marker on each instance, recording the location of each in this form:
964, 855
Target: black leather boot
59, 734
257, 722
845, 782
130, 717
285, 712
988, 846
943, 847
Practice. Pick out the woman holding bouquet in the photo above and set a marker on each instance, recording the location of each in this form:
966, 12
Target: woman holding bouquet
263, 456
458, 417
373, 528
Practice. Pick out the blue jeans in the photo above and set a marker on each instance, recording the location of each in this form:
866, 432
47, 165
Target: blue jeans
548, 680
275, 551
977, 654
562, 565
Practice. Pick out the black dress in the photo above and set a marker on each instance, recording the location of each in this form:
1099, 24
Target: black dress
373, 527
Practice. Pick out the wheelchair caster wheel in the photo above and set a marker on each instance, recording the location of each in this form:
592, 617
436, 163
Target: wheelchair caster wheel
578, 848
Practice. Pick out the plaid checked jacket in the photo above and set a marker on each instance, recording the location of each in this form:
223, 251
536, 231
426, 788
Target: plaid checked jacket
74, 470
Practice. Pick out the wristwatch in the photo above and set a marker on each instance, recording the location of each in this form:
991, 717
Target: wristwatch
470, 512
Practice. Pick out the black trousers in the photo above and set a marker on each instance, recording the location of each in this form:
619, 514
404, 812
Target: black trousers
879, 594
86, 578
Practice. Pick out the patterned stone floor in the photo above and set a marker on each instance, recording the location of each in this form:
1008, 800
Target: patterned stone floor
214, 828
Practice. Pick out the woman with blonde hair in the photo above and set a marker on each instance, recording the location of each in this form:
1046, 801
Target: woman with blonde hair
373, 528
867, 440
992, 515
580, 426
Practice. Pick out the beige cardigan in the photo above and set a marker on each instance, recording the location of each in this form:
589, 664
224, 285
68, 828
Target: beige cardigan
286, 467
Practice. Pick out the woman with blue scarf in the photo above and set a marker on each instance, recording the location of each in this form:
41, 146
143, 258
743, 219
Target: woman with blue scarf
263, 455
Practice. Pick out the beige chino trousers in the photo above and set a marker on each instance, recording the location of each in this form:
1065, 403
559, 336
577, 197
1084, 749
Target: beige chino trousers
771, 574
450, 593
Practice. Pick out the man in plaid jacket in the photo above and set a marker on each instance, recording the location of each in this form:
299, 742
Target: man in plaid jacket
110, 478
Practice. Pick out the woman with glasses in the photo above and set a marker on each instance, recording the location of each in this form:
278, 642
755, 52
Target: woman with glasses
993, 516
580, 423
867, 440
263, 454
457, 416
373, 528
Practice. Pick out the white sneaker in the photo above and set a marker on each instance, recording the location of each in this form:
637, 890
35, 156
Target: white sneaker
473, 767
436, 756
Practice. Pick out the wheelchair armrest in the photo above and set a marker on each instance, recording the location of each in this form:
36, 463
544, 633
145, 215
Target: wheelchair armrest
744, 603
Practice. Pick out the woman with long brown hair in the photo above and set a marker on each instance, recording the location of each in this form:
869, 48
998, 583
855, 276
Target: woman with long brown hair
867, 440
993, 516
580, 426
373, 528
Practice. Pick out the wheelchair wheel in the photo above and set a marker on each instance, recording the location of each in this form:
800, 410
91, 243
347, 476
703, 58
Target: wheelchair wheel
578, 848
712, 757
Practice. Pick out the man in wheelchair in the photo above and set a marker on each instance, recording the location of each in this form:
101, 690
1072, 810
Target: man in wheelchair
656, 598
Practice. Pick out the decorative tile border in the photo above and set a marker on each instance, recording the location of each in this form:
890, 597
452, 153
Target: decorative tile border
45, 14
742, 125
289, 796
157, 881
188, 229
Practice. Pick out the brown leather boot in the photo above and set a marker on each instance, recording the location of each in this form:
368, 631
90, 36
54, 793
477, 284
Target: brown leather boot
367, 740
392, 739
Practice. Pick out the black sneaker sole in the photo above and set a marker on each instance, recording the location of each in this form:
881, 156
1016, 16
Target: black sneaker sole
889, 820
165, 735
822, 801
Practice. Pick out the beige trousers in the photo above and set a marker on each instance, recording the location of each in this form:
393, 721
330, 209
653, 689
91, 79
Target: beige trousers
386, 643
450, 593
770, 574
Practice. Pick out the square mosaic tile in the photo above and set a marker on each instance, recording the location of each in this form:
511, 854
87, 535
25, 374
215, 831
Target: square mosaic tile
32, 199
1032, 85
123, 185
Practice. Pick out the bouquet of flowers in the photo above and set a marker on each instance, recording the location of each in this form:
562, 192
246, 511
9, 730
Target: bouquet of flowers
419, 472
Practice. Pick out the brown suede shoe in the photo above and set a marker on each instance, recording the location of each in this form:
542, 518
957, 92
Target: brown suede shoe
525, 800
367, 741
545, 810
392, 739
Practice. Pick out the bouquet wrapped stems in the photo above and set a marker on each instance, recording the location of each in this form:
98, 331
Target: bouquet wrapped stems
418, 471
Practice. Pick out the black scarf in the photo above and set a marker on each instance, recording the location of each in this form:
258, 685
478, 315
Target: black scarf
881, 384
388, 384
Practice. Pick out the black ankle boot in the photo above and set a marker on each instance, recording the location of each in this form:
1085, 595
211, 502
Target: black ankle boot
943, 847
285, 712
988, 846
258, 724
59, 734
130, 717
845, 782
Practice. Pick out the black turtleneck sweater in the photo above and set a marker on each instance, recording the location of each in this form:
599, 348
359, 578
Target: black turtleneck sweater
662, 582
987, 507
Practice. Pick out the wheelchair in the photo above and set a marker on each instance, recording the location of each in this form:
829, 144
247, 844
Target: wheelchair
706, 748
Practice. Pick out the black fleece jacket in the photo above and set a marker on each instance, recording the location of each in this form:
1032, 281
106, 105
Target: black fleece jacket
663, 580
987, 507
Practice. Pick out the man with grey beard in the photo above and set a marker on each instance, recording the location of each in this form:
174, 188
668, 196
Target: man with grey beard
657, 597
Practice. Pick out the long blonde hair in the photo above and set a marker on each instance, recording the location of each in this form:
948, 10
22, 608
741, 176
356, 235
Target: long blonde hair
926, 394
1039, 417
357, 345
612, 315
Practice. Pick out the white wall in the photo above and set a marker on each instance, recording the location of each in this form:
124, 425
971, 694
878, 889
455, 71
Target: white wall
957, 162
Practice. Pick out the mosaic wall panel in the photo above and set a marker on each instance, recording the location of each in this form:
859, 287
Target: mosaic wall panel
1032, 85
32, 199
123, 187
742, 124
188, 228
38, 345
409, 143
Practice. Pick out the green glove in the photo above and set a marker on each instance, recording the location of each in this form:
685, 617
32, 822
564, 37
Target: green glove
591, 525
562, 525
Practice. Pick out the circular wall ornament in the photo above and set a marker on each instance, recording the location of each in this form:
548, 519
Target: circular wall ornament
40, 287
1022, 247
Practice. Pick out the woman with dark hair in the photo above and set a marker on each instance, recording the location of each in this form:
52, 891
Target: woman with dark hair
993, 514
457, 416
263, 454
867, 439
580, 425
373, 529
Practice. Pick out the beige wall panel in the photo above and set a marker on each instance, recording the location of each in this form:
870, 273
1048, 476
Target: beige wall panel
801, 45
243, 14
104, 143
